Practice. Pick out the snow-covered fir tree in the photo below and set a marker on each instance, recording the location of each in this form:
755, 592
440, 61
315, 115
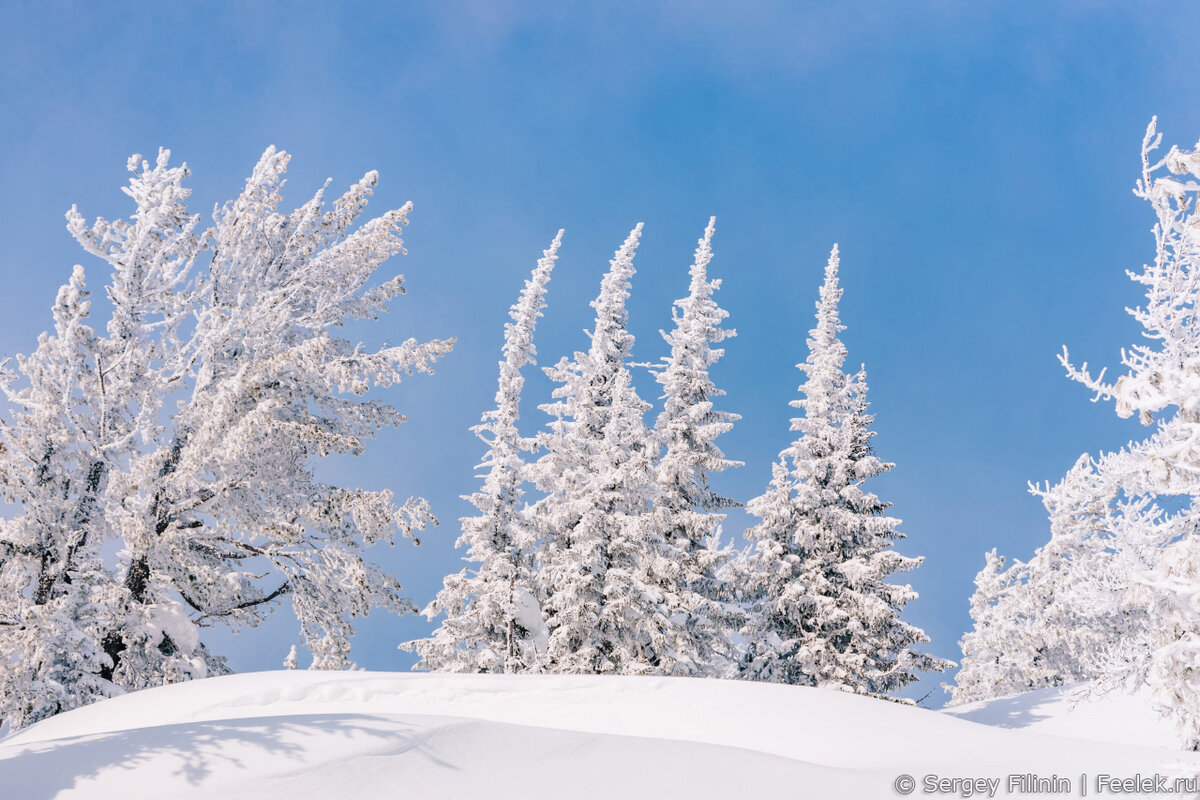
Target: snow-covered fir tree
822, 612
686, 509
1017, 644
602, 562
493, 620
1061, 617
985, 664
188, 433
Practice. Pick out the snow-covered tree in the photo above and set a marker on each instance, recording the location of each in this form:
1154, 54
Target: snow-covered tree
823, 613
602, 562
493, 620
1147, 492
55, 591
1019, 641
686, 509
1061, 617
1171, 595
1115, 583
189, 433
987, 665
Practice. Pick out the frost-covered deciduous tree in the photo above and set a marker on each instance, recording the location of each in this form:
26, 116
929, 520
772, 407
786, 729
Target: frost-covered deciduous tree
1117, 577
1170, 593
686, 509
1147, 492
602, 562
55, 594
189, 433
493, 619
822, 612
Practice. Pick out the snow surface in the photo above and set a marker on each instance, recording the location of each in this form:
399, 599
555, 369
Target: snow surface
1077, 712
290, 735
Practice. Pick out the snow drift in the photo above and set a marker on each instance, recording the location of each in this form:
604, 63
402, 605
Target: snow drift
383, 735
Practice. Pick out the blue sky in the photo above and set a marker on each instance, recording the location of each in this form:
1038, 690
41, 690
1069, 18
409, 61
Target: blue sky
973, 160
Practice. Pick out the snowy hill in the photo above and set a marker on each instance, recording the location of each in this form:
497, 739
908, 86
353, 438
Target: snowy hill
293, 735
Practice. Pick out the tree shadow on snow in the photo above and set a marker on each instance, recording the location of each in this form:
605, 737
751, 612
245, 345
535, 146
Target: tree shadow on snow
148, 761
1018, 711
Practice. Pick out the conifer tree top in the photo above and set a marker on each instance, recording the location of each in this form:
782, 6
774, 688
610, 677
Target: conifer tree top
611, 338
823, 344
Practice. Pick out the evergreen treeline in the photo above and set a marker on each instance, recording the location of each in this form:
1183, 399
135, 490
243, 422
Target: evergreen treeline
598, 540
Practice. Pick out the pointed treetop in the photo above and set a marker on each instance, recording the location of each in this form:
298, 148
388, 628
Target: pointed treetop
701, 286
704, 251
611, 315
825, 383
518, 334
698, 305
828, 323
